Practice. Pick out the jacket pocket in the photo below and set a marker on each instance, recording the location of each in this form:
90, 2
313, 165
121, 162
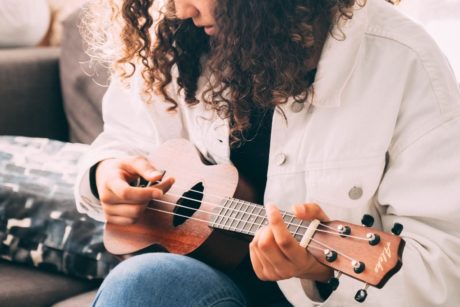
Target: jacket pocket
345, 184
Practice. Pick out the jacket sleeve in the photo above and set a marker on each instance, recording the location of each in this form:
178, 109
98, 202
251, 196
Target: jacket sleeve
421, 190
128, 130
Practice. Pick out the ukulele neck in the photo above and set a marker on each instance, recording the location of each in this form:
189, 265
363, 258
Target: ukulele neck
247, 218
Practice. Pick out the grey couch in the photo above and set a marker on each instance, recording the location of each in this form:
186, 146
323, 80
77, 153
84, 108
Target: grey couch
52, 93
31, 104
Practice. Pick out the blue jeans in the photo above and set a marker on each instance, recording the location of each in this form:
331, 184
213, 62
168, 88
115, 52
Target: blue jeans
161, 279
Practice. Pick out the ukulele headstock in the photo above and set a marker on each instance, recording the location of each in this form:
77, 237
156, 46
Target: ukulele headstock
361, 252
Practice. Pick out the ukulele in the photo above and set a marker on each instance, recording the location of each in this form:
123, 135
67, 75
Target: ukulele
204, 216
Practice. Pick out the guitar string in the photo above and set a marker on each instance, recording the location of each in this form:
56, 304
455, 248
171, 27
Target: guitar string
220, 198
204, 221
257, 216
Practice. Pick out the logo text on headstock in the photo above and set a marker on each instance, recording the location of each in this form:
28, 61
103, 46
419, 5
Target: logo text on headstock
384, 257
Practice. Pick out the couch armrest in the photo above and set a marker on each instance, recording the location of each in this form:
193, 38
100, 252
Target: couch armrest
30, 93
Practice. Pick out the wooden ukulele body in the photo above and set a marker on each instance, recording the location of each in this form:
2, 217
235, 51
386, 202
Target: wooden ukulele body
193, 236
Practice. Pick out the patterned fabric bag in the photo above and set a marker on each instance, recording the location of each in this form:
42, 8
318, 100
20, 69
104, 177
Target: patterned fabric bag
39, 224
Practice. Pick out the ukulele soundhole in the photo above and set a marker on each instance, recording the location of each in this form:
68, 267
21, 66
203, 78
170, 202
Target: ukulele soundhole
188, 204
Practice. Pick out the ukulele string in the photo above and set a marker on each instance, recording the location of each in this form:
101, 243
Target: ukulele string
251, 233
233, 219
233, 210
329, 248
285, 212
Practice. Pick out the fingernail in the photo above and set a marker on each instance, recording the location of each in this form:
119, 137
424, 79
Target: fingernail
298, 209
269, 208
157, 173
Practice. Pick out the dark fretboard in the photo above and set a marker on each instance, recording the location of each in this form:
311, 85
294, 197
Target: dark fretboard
244, 217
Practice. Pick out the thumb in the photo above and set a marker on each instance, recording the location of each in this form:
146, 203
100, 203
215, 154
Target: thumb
142, 167
310, 212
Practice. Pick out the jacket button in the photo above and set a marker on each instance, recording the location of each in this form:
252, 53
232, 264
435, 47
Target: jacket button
296, 107
280, 159
355, 193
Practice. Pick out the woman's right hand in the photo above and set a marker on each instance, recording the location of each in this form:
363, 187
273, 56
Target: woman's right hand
122, 203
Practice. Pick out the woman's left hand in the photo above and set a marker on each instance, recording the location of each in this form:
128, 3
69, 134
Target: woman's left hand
276, 255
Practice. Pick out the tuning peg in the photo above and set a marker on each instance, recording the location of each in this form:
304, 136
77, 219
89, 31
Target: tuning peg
373, 238
358, 266
330, 255
361, 295
344, 230
334, 282
397, 229
367, 220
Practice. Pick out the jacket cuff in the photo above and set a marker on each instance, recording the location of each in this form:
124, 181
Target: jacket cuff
92, 180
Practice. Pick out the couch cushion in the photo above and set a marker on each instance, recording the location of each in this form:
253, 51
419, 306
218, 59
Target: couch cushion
24, 286
39, 224
30, 93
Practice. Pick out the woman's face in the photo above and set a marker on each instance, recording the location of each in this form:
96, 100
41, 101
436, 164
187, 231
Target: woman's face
200, 11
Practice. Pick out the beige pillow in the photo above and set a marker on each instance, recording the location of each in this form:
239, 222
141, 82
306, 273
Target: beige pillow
23, 23
60, 9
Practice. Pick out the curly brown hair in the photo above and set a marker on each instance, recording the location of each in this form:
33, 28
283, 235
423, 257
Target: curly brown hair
262, 54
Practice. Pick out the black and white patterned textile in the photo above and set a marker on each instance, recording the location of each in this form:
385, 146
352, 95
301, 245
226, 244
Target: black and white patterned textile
39, 224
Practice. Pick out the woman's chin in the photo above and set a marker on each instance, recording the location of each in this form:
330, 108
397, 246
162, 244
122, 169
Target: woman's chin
210, 30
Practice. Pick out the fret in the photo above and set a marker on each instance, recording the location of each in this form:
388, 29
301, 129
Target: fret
283, 214
264, 220
290, 224
220, 215
238, 212
245, 217
258, 219
229, 216
298, 235
224, 215
251, 218
298, 226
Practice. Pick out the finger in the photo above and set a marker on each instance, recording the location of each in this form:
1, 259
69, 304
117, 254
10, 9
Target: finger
132, 211
126, 193
164, 185
263, 269
119, 220
276, 264
141, 166
255, 261
286, 243
310, 212
267, 245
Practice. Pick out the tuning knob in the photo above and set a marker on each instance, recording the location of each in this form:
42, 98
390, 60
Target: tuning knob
330, 255
361, 295
358, 266
334, 282
397, 229
344, 230
373, 238
367, 220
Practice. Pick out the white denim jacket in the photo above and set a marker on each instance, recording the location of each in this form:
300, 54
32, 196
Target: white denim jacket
384, 90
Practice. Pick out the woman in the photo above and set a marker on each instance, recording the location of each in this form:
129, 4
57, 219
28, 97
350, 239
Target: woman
343, 107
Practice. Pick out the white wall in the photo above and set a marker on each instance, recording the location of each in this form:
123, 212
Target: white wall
441, 18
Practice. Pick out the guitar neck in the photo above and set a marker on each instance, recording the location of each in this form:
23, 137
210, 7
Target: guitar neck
247, 218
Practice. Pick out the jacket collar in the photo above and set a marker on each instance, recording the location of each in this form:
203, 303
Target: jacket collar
338, 59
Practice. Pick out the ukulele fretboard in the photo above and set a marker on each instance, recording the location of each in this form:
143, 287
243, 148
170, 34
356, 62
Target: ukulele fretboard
245, 217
